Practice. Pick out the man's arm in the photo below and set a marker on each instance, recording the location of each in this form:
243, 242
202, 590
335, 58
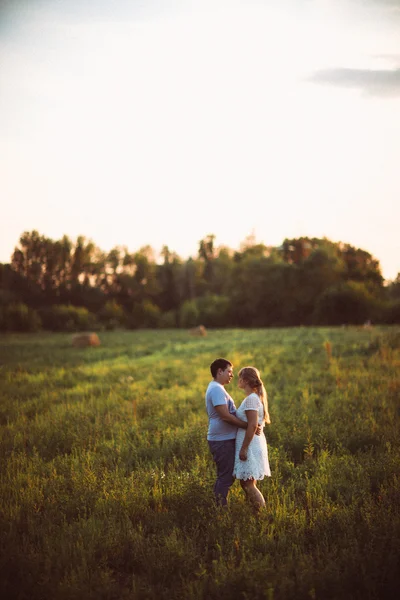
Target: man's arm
225, 415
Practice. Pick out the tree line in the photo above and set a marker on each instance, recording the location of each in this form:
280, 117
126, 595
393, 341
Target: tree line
63, 285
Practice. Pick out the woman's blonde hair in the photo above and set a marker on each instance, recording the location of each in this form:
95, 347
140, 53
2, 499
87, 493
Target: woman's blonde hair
252, 377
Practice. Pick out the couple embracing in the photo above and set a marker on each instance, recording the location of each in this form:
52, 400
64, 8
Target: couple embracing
236, 437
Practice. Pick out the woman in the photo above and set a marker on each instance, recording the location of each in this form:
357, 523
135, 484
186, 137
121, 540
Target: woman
251, 452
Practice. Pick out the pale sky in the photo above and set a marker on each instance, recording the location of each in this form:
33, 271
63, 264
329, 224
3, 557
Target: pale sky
159, 122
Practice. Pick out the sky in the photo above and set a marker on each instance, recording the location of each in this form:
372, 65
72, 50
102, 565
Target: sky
158, 122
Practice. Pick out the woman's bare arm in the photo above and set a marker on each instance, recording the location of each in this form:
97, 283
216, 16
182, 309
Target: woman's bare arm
252, 424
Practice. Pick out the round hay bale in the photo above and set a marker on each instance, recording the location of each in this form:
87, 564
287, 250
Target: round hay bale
199, 331
83, 340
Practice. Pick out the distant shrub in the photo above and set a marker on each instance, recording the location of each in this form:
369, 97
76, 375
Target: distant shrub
7, 297
343, 304
213, 310
391, 313
111, 315
19, 317
62, 317
144, 315
168, 320
189, 314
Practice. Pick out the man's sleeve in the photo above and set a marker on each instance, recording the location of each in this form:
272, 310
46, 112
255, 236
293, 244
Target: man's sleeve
217, 396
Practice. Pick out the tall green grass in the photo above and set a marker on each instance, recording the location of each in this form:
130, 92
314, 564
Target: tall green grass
106, 477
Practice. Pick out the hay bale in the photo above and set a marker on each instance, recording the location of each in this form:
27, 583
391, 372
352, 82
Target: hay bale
83, 340
199, 331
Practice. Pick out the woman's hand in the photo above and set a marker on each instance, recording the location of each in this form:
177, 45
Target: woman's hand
243, 454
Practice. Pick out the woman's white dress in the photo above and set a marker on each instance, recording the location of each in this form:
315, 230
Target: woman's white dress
257, 465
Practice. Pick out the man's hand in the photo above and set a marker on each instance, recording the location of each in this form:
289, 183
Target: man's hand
243, 454
258, 430
228, 417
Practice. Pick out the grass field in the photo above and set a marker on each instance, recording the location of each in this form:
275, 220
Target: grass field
106, 477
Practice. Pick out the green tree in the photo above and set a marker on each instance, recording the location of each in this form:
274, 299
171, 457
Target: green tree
189, 314
361, 266
207, 255
346, 303
168, 277
213, 310
393, 288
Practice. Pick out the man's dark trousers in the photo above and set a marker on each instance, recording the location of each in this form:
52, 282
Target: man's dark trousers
223, 453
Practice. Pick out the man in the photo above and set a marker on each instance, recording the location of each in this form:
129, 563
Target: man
222, 427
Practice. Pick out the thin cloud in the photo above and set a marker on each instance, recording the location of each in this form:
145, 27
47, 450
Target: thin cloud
374, 82
391, 3
391, 8
394, 58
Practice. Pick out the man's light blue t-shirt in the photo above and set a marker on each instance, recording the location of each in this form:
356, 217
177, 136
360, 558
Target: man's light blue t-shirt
218, 430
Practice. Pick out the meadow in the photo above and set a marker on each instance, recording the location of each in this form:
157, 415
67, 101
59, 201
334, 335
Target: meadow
106, 477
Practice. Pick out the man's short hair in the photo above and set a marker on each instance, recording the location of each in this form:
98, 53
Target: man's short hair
219, 363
